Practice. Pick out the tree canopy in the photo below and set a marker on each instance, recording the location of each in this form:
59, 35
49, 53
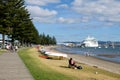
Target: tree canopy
47, 40
15, 22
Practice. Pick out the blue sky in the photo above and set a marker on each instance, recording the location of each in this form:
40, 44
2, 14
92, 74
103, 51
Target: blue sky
74, 20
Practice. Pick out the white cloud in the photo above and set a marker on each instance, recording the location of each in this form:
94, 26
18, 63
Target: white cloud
102, 10
73, 20
66, 20
63, 6
41, 2
105, 9
85, 19
44, 19
40, 12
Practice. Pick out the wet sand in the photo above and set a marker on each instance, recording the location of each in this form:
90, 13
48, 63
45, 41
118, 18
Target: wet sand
92, 61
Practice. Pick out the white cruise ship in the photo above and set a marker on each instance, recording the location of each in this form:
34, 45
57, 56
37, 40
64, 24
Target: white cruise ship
90, 42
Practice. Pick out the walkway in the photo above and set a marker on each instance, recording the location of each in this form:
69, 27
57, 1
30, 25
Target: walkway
12, 68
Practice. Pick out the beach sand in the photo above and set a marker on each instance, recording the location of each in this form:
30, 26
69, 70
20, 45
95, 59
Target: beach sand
92, 61
103, 64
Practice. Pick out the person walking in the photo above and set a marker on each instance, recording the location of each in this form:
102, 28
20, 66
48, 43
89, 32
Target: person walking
16, 48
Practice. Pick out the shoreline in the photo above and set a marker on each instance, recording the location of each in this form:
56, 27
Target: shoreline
93, 57
110, 66
54, 50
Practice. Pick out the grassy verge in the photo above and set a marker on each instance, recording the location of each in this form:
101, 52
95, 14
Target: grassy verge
48, 69
39, 70
2, 51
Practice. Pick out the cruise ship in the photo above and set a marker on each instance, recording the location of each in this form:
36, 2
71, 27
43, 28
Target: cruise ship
90, 42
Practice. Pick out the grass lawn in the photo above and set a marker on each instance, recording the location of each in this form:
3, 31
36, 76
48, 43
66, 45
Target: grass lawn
49, 69
2, 51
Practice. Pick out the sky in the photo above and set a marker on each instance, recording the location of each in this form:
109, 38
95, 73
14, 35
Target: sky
74, 20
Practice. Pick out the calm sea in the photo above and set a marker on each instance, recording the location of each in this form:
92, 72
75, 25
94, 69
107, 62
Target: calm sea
111, 54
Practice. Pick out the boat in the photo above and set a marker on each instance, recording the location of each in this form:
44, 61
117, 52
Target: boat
52, 54
90, 42
106, 45
113, 45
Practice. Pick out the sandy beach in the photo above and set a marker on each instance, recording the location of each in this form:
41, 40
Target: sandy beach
92, 61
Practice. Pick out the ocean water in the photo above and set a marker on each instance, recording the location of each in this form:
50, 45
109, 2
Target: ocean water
110, 54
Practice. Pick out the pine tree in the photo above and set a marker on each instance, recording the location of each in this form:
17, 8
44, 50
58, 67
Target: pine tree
47, 40
16, 23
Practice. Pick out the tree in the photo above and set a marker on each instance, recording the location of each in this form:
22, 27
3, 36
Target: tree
4, 19
47, 40
54, 40
16, 23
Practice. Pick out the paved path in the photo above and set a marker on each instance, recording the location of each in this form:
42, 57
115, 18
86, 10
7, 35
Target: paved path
12, 68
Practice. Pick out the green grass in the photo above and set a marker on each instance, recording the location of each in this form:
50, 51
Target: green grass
49, 69
2, 51
100, 71
38, 70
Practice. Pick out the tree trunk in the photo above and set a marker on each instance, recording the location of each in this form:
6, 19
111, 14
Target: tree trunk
3, 40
